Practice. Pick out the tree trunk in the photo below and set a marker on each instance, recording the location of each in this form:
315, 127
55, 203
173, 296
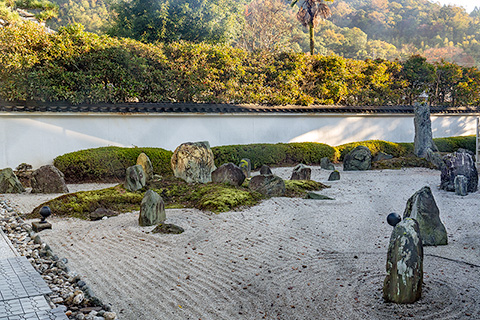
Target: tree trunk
312, 41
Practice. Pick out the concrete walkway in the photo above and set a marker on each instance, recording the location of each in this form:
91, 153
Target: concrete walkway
22, 289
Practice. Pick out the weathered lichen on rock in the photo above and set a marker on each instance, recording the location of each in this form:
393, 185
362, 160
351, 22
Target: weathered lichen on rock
135, 178
146, 164
358, 159
152, 209
48, 179
403, 283
268, 185
423, 208
193, 162
9, 182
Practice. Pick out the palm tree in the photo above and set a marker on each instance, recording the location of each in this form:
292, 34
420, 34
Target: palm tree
310, 14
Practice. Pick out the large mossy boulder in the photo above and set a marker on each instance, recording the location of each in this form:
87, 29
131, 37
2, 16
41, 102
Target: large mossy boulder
403, 283
268, 185
9, 182
358, 159
193, 162
228, 173
423, 208
48, 179
152, 209
135, 178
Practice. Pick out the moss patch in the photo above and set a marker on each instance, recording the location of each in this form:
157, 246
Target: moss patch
80, 204
300, 188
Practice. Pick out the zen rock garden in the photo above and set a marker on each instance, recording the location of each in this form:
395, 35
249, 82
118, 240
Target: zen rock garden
420, 225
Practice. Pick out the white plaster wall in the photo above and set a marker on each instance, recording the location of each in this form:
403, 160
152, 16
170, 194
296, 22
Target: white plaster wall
37, 138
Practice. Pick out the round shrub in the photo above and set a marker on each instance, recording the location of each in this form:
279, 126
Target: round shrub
109, 163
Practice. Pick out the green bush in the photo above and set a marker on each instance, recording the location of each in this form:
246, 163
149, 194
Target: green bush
375, 146
280, 154
452, 144
109, 163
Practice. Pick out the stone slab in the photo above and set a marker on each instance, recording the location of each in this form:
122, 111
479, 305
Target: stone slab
38, 226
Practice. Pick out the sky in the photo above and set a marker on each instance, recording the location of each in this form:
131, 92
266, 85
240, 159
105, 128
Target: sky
469, 5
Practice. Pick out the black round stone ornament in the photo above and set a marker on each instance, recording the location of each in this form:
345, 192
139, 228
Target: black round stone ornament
45, 212
393, 218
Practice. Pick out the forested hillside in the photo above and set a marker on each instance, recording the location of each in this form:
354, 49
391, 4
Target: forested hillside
357, 29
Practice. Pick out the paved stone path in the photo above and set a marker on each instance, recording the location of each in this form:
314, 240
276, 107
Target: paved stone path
22, 289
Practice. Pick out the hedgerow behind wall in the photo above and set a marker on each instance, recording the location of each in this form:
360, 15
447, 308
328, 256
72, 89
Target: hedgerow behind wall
79, 67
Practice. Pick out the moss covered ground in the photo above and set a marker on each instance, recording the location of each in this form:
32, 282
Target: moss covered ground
175, 193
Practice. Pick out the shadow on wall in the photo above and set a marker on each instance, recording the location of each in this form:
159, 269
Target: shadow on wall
341, 130
394, 129
444, 126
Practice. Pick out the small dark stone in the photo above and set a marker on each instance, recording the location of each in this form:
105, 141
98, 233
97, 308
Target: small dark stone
99, 213
326, 164
268, 184
316, 196
168, 229
265, 170
334, 176
228, 173
382, 156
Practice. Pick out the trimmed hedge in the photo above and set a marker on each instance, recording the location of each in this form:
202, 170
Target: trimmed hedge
109, 163
280, 154
375, 146
452, 144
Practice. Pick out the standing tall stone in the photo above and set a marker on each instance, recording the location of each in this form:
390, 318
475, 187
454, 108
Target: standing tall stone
423, 208
146, 164
459, 163
246, 167
193, 162
423, 130
135, 178
9, 182
48, 179
358, 159
152, 209
403, 283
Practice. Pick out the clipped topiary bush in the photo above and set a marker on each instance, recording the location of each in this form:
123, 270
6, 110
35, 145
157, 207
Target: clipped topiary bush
280, 154
109, 163
452, 144
375, 146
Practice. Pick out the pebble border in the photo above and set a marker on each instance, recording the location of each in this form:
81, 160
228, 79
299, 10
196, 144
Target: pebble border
69, 291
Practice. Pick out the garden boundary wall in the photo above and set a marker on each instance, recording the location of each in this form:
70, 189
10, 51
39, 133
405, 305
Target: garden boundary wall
37, 138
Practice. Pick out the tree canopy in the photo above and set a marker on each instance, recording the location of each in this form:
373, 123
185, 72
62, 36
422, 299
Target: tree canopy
217, 21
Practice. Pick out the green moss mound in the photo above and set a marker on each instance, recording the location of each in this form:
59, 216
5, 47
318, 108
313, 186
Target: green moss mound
80, 204
280, 154
175, 193
300, 188
109, 163
375, 146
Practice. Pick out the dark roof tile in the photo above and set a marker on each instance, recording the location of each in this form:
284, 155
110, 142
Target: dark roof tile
219, 108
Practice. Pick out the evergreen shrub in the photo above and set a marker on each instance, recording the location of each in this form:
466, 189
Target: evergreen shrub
280, 154
109, 163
